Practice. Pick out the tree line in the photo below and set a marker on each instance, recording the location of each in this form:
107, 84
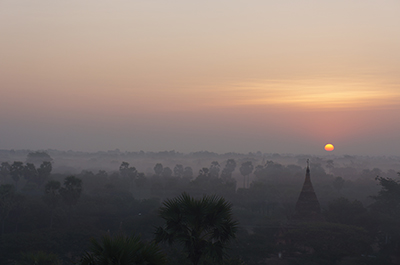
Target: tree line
59, 215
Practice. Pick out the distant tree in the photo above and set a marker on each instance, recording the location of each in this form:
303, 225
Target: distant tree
38, 157
188, 173
52, 197
202, 226
259, 171
347, 172
5, 170
17, 171
158, 169
246, 169
102, 174
214, 169
37, 176
204, 173
30, 172
141, 180
170, 181
205, 181
71, 191
271, 171
178, 171
330, 165
86, 174
124, 169
228, 169
123, 250
128, 172
44, 172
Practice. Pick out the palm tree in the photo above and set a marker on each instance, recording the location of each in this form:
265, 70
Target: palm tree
203, 226
71, 192
52, 197
123, 250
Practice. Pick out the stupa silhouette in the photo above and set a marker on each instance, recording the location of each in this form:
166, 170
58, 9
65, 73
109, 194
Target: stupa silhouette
307, 207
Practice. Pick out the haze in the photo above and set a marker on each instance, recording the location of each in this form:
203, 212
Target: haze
222, 76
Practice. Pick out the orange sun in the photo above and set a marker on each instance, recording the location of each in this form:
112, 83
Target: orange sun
329, 147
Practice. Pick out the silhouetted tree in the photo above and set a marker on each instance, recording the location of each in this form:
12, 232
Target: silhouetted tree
16, 171
5, 170
141, 180
188, 173
102, 174
71, 192
38, 157
228, 169
245, 170
30, 172
330, 165
124, 169
44, 171
178, 171
158, 169
214, 169
259, 171
202, 226
86, 174
52, 197
204, 173
129, 173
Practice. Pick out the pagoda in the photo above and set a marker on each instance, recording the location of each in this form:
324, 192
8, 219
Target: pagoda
307, 207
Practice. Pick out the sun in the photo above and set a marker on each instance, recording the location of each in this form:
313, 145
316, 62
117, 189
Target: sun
329, 147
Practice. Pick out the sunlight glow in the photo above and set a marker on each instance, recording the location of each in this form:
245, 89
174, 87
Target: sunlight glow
329, 147
322, 94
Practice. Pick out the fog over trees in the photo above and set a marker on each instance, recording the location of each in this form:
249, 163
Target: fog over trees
66, 207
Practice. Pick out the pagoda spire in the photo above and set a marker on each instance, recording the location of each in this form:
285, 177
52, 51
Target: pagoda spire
307, 206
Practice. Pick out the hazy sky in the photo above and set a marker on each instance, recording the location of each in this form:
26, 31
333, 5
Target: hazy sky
270, 76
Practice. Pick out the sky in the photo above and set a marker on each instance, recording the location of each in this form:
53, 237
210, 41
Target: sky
222, 76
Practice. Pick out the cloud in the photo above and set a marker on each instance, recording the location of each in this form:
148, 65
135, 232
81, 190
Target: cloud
319, 94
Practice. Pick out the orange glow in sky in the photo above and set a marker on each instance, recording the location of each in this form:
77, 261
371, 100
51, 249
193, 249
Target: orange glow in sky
231, 76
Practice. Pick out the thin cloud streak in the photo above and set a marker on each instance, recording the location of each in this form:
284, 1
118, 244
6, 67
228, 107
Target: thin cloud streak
319, 94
